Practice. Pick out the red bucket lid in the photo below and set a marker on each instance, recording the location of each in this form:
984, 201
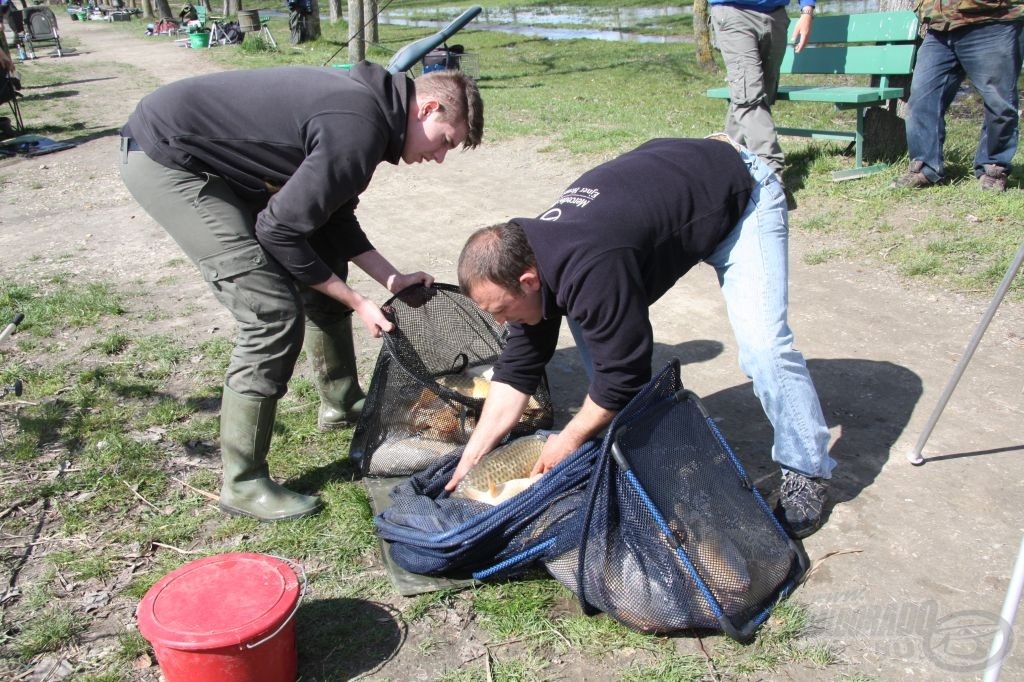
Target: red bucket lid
219, 601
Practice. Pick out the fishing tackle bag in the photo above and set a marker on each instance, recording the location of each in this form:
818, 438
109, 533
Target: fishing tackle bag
671, 533
430, 381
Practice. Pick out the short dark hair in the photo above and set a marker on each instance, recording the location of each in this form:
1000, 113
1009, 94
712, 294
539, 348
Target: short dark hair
499, 254
460, 100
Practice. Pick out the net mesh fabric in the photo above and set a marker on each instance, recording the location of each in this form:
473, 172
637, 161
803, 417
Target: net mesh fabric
430, 381
658, 525
673, 534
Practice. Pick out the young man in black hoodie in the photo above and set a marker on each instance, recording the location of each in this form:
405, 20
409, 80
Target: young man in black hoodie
611, 246
256, 175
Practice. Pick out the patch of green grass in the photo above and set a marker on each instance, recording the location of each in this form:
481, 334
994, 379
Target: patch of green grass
50, 630
674, 668
422, 604
517, 610
820, 257
59, 304
779, 641
529, 668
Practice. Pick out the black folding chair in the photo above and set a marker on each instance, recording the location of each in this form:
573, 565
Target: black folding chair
41, 29
9, 94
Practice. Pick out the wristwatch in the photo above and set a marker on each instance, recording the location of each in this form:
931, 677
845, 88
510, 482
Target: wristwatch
807, 9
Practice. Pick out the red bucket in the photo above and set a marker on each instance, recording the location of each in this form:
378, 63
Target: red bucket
225, 618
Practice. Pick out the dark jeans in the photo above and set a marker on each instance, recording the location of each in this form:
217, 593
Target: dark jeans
990, 55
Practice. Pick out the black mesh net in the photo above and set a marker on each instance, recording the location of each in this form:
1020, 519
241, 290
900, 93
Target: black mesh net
430, 381
673, 534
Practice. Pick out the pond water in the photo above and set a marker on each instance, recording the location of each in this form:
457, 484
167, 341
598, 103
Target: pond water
559, 22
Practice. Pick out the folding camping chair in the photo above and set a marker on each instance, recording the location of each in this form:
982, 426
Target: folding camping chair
41, 29
9, 95
249, 21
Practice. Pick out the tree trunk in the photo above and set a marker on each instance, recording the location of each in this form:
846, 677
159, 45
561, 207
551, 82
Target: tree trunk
313, 21
885, 129
334, 11
231, 7
163, 9
702, 35
371, 33
147, 9
356, 44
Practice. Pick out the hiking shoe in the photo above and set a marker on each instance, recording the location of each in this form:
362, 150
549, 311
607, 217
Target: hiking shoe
994, 178
802, 499
913, 178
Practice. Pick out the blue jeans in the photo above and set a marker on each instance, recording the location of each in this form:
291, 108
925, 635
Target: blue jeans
752, 263
990, 55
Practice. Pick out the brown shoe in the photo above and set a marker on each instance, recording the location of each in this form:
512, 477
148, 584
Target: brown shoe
913, 178
994, 178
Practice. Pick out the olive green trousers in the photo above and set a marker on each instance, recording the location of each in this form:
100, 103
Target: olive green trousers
216, 230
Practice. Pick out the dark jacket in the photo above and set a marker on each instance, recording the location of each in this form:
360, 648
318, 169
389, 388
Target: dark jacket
299, 143
612, 245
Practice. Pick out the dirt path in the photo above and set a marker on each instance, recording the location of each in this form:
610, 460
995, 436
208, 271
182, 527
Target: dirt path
907, 554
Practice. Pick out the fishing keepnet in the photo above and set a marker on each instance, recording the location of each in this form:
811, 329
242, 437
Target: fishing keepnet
430, 382
672, 534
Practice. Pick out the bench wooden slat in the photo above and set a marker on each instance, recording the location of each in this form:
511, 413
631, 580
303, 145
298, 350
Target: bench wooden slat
880, 60
873, 27
839, 95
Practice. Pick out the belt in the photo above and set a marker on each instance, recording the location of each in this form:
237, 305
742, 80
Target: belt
128, 144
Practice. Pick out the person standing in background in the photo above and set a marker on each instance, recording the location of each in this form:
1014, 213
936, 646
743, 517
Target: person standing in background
982, 40
752, 34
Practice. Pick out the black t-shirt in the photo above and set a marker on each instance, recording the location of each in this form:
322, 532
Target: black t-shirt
613, 244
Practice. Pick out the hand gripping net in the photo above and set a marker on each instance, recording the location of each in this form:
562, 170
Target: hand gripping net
430, 381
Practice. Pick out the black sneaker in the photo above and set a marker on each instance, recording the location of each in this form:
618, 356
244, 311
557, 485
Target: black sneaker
801, 499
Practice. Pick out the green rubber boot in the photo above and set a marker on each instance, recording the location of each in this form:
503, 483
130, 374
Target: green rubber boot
246, 425
332, 359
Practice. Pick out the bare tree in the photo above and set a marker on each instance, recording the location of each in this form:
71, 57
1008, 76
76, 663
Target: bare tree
163, 9
313, 21
885, 131
702, 35
356, 44
370, 20
334, 10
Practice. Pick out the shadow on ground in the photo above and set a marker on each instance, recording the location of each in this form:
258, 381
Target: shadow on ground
340, 639
867, 405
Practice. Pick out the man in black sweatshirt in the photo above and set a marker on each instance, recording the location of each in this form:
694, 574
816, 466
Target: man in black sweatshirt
607, 249
256, 175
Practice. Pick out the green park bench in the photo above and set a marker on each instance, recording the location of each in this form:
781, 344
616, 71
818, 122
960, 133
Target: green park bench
879, 45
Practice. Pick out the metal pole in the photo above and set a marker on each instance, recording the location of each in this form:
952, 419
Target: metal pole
1010, 605
915, 455
9, 329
